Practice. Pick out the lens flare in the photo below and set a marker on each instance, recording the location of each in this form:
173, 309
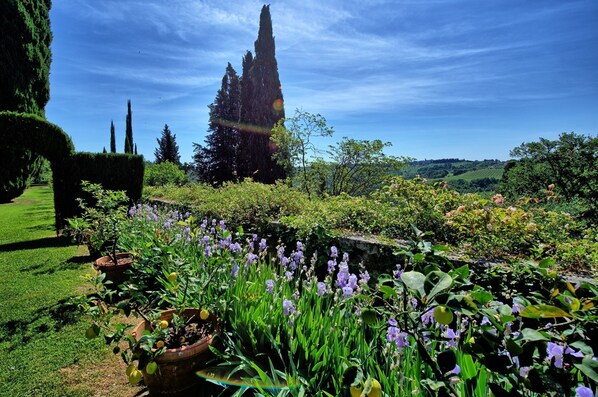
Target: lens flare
278, 105
254, 129
225, 376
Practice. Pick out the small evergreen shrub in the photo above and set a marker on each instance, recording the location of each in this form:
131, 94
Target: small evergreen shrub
165, 173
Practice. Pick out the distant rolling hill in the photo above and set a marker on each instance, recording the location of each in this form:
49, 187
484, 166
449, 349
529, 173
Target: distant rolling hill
463, 175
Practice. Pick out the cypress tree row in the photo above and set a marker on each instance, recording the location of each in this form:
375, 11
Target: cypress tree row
167, 149
25, 59
129, 130
112, 138
242, 117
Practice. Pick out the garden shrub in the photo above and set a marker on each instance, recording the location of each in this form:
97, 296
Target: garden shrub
248, 204
482, 228
165, 173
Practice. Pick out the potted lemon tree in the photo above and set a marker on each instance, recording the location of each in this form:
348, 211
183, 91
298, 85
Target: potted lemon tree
99, 226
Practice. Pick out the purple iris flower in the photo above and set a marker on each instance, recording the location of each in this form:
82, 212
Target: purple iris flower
333, 252
364, 278
394, 334
347, 292
452, 336
352, 281
343, 275
321, 288
236, 248
269, 286
558, 352
331, 266
250, 259
398, 273
428, 317
517, 305
583, 391
262, 246
287, 307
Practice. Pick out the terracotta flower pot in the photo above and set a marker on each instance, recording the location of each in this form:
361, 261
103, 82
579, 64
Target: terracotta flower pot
114, 272
176, 374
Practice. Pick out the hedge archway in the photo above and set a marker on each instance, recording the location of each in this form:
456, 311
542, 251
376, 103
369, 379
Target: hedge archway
113, 171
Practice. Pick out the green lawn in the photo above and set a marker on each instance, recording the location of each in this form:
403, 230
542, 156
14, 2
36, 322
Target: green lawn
40, 328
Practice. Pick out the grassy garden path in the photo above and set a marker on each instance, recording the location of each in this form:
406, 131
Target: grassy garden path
43, 351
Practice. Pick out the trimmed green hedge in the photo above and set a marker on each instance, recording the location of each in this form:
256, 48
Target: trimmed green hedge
114, 171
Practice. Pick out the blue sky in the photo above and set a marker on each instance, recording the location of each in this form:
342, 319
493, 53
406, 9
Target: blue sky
437, 79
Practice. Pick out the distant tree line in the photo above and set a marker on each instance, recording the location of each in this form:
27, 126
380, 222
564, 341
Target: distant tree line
434, 169
130, 146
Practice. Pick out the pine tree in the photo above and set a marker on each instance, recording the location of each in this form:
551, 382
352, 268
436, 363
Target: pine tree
104, 151
265, 103
135, 149
112, 138
25, 58
129, 130
217, 161
167, 149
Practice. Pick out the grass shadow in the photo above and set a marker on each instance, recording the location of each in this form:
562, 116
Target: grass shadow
46, 242
44, 268
43, 320
43, 227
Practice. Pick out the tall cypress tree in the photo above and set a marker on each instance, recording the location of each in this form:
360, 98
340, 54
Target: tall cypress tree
112, 138
217, 161
266, 105
167, 149
25, 58
244, 155
129, 130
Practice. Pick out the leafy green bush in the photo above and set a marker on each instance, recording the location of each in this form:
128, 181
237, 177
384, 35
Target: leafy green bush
483, 228
249, 204
165, 173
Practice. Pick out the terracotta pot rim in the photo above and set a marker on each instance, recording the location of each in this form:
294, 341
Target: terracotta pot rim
105, 262
182, 353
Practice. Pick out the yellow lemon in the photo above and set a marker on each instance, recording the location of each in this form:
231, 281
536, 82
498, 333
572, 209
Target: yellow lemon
204, 314
130, 369
135, 376
443, 315
163, 324
172, 277
355, 391
376, 389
